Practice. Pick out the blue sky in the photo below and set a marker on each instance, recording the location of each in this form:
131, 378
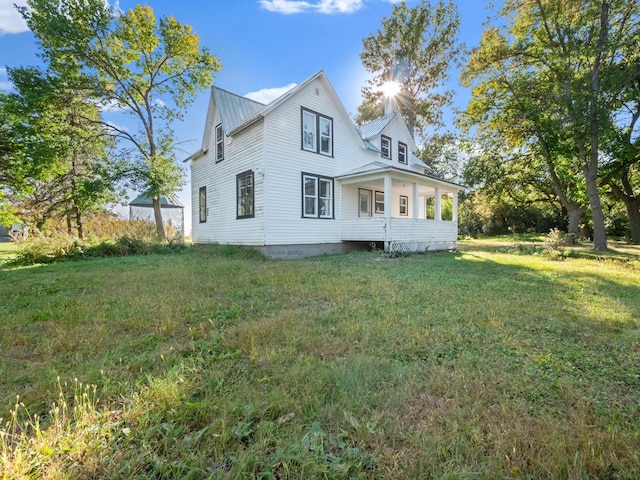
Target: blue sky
264, 46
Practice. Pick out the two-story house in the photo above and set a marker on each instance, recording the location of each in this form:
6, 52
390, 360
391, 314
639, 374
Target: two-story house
297, 178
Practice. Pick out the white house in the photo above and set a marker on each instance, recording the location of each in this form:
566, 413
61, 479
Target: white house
297, 178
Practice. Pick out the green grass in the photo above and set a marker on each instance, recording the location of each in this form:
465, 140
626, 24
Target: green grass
215, 363
7, 250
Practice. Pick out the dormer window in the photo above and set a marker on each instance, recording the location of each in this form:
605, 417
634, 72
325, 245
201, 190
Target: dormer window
317, 132
385, 146
402, 153
219, 144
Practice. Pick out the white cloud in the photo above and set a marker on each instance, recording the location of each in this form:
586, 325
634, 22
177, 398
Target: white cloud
289, 7
10, 20
267, 95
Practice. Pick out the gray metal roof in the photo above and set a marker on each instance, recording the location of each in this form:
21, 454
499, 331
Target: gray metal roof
143, 200
380, 167
233, 108
374, 128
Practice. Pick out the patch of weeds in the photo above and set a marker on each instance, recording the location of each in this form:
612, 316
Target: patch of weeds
524, 249
555, 244
321, 455
55, 249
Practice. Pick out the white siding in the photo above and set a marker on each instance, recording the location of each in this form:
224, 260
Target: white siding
285, 161
242, 152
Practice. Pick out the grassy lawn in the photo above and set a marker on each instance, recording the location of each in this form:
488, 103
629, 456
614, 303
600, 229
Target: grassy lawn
214, 363
7, 250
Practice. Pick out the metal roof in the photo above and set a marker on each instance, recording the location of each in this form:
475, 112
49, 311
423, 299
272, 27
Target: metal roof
374, 128
143, 200
233, 108
380, 167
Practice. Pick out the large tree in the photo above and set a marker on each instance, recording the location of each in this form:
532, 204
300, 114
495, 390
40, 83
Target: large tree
415, 48
57, 163
571, 51
148, 68
518, 144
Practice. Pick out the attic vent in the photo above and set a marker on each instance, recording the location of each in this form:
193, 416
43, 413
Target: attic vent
317, 91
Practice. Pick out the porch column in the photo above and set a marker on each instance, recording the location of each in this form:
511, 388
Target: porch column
455, 206
438, 210
416, 201
387, 212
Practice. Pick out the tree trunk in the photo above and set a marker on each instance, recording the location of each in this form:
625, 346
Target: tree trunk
157, 213
575, 213
79, 222
633, 209
632, 204
69, 228
599, 231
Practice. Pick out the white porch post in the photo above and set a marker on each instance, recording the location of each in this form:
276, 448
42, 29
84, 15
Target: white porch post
455, 207
416, 201
387, 212
438, 210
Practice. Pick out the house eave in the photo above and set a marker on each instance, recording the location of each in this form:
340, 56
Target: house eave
195, 155
383, 170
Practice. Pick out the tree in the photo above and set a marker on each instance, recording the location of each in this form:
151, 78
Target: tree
57, 163
622, 145
149, 69
519, 146
571, 51
414, 47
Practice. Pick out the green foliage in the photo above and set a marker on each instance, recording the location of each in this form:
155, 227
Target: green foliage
152, 69
60, 247
414, 47
547, 81
149, 68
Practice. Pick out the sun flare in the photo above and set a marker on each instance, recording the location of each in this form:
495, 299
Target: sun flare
390, 88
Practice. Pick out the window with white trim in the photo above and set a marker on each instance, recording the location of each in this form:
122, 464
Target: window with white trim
202, 204
402, 153
385, 146
245, 195
365, 202
404, 205
219, 143
317, 132
379, 202
317, 196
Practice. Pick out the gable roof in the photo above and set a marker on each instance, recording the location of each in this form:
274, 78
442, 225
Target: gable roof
266, 109
233, 108
375, 127
144, 200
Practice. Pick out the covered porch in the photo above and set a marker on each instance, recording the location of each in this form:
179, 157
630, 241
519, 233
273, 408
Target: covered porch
406, 211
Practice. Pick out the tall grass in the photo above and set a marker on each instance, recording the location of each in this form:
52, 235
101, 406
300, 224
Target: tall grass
219, 364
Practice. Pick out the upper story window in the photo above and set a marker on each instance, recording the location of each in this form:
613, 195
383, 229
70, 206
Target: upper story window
245, 195
385, 146
219, 143
317, 132
317, 196
402, 153
202, 204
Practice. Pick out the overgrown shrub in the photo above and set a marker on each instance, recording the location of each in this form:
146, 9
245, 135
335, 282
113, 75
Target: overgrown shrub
62, 247
556, 242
